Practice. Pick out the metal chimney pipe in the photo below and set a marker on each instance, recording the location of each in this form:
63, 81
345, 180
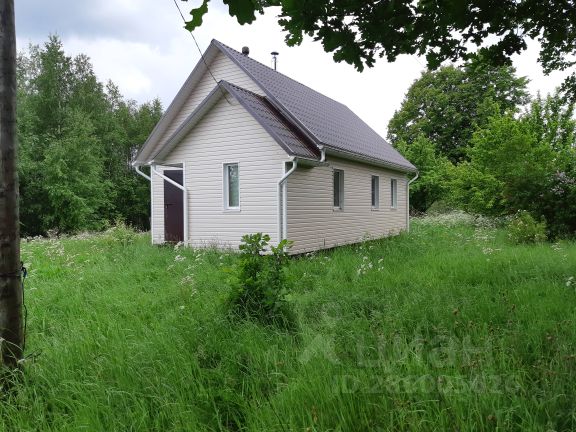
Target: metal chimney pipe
274, 58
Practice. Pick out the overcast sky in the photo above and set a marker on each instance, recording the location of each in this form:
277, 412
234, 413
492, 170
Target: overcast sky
141, 46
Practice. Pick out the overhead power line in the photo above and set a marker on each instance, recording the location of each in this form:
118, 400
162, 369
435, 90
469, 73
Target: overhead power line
201, 53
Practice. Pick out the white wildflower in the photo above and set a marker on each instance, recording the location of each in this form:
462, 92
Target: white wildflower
179, 258
187, 280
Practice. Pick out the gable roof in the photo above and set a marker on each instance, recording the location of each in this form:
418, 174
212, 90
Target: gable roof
329, 122
297, 114
288, 137
283, 131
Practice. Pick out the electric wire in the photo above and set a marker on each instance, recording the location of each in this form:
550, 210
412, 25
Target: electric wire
201, 53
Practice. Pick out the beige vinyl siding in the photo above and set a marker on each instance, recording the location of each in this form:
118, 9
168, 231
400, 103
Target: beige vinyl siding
228, 134
223, 69
313, 223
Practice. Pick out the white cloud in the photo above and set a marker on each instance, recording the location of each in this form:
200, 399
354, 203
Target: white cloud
141, 45
119, 61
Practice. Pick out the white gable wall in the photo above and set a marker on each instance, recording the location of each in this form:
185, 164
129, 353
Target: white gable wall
314, 224
226, 134
223, 69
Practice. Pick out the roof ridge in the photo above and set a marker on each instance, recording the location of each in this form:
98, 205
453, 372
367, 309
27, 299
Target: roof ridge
325, 121
279, 73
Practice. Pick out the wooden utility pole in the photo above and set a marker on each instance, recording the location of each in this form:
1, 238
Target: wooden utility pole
10, 286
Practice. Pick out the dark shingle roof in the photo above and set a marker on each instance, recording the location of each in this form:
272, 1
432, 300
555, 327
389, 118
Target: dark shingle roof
281, 130
329, 122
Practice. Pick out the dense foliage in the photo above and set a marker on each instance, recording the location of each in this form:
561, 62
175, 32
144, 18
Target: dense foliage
524, 162
359, 31
481, 145
432, 166
76, 139
448, 104
451, 327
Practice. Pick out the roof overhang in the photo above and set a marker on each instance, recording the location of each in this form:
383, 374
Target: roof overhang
150, 151
192, 120
144, 154
228, 91
331, 151
270, 96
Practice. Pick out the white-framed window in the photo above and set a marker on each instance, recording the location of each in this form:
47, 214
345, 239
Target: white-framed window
338, 189
375, 192
393, 193
231, 186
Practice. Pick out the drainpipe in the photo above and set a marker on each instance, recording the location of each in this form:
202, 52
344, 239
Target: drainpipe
137, 169
408, 201
147, 177
322, 154
282, 204
184, 192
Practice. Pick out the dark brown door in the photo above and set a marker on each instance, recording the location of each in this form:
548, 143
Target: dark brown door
173, 207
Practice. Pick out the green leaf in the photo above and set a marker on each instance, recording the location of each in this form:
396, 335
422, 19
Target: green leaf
243, 10
197, 16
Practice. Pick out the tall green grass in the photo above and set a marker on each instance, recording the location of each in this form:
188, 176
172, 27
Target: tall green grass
450, 327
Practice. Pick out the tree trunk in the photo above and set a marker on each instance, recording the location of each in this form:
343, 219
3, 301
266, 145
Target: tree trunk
10, 286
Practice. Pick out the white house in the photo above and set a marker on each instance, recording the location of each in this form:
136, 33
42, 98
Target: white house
244, 149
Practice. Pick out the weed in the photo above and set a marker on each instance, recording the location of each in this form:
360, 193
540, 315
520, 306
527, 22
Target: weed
259, 289
453, 328
121, 234
523, 228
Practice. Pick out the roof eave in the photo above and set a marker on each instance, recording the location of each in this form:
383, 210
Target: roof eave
207, 104
190, 121
271, 132
143, 155
275, 102
370, 160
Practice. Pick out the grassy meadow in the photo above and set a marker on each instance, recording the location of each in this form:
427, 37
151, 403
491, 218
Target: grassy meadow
450, 328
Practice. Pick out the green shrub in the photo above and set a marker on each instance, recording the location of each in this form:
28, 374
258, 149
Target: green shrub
259, 288
440, 207
121, 234
523, 228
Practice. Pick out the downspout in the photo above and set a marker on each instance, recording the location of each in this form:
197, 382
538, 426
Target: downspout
147, 177
184, 192
322, 154
137, 169
408, 201
282, 204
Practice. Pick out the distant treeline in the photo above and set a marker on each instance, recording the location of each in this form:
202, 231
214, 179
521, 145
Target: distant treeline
77, 136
